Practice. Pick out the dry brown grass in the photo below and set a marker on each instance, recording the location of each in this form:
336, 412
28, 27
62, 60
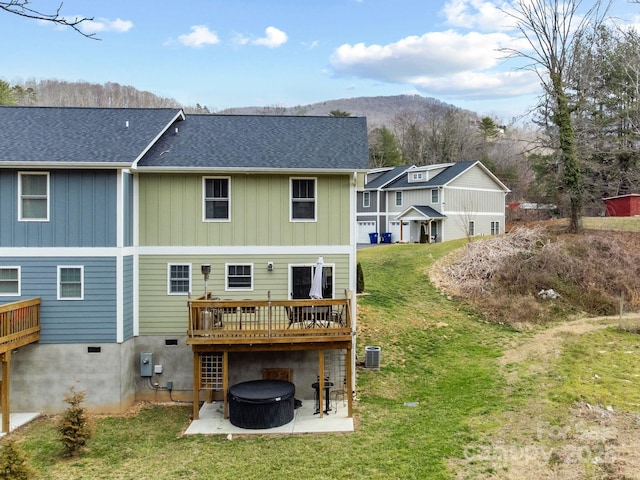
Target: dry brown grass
592, 273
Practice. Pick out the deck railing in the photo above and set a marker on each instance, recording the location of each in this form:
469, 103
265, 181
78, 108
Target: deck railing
268, 319
19, 324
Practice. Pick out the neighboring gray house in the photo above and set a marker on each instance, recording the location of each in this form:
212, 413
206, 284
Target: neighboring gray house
447, 201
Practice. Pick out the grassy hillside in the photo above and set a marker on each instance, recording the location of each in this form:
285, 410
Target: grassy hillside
456, 397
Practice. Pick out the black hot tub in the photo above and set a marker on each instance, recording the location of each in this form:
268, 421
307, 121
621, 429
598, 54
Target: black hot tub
261, 403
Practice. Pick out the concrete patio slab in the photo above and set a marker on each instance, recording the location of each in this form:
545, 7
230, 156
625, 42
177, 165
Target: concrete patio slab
211, 422
16, 420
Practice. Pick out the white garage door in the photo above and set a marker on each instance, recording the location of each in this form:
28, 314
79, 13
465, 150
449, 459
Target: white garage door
364, 228
394, 228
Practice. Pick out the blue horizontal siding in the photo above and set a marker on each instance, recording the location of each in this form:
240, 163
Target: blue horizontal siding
128, 298
82, 211
70, 321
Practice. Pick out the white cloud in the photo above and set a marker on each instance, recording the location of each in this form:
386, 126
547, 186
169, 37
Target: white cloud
477, 14
104, 25
439, 63
200, 36
435, 53
273, 38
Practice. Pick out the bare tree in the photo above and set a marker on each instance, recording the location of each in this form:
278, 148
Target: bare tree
22, 8
550, 28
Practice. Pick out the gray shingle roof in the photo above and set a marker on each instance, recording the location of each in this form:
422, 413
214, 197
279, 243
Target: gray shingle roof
79, 135
386, 177
262, 142
426, 211
442, 178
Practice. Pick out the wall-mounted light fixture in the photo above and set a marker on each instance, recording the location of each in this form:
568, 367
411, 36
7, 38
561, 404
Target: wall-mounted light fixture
270, 266
206, 270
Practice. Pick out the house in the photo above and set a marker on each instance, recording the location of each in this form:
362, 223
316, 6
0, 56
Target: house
433, 203
623, 205
126, 223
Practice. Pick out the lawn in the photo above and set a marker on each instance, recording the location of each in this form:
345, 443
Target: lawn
441, 390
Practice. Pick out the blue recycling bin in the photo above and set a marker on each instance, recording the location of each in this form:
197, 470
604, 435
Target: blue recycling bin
373, 237
386, 237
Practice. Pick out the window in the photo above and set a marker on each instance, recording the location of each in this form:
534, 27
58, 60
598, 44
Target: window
366, 199
472, 228
435, 197
10, 281
303, 199
216, 199
239, 277
495, 228
70, 282
398, 199
33, 193
179, 278
416, 176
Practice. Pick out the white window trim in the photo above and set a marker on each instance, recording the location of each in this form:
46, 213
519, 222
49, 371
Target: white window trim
81, 297
311, 266
227, 288
417, 176
20, 217
204, 199
19, 269
169, 265
395, 198
315, 200
437, 195
366, 199
495, 227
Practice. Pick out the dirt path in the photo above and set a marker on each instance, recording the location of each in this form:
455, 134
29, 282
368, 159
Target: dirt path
591, 442
547, 343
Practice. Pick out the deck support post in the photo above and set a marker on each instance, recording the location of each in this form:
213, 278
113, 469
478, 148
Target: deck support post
225, 381
349, 375
196, 385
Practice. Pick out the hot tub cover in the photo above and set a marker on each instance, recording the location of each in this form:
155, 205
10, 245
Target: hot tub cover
261, 403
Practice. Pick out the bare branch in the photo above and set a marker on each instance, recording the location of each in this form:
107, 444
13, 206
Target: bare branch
21, 8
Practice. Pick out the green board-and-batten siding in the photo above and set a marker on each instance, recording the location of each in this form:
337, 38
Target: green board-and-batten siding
171, 212
164, 314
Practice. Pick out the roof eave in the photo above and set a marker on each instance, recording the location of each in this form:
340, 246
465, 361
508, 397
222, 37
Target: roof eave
60, 165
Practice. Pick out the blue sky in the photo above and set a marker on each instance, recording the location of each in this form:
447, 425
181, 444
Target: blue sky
236, 53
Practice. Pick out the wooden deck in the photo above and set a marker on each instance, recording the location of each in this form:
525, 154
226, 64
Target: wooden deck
223, 326
253, 322
19, 326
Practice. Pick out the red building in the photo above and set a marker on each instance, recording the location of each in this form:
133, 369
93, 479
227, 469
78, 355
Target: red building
623, 205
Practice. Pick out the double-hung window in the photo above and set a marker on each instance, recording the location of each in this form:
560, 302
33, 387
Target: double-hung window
70, 282
398, 197
33, 193
216, 199
179, 278
472, 228
366, 199
303, 199
495, 228
435, 197
239, 277
10, 281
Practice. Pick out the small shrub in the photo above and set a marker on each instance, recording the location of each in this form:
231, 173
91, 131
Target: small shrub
75, 425
360, 279
13, 462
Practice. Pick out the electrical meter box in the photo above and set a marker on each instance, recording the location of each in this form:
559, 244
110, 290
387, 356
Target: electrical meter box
146, 364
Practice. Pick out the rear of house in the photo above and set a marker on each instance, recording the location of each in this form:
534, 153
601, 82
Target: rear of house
108, 215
